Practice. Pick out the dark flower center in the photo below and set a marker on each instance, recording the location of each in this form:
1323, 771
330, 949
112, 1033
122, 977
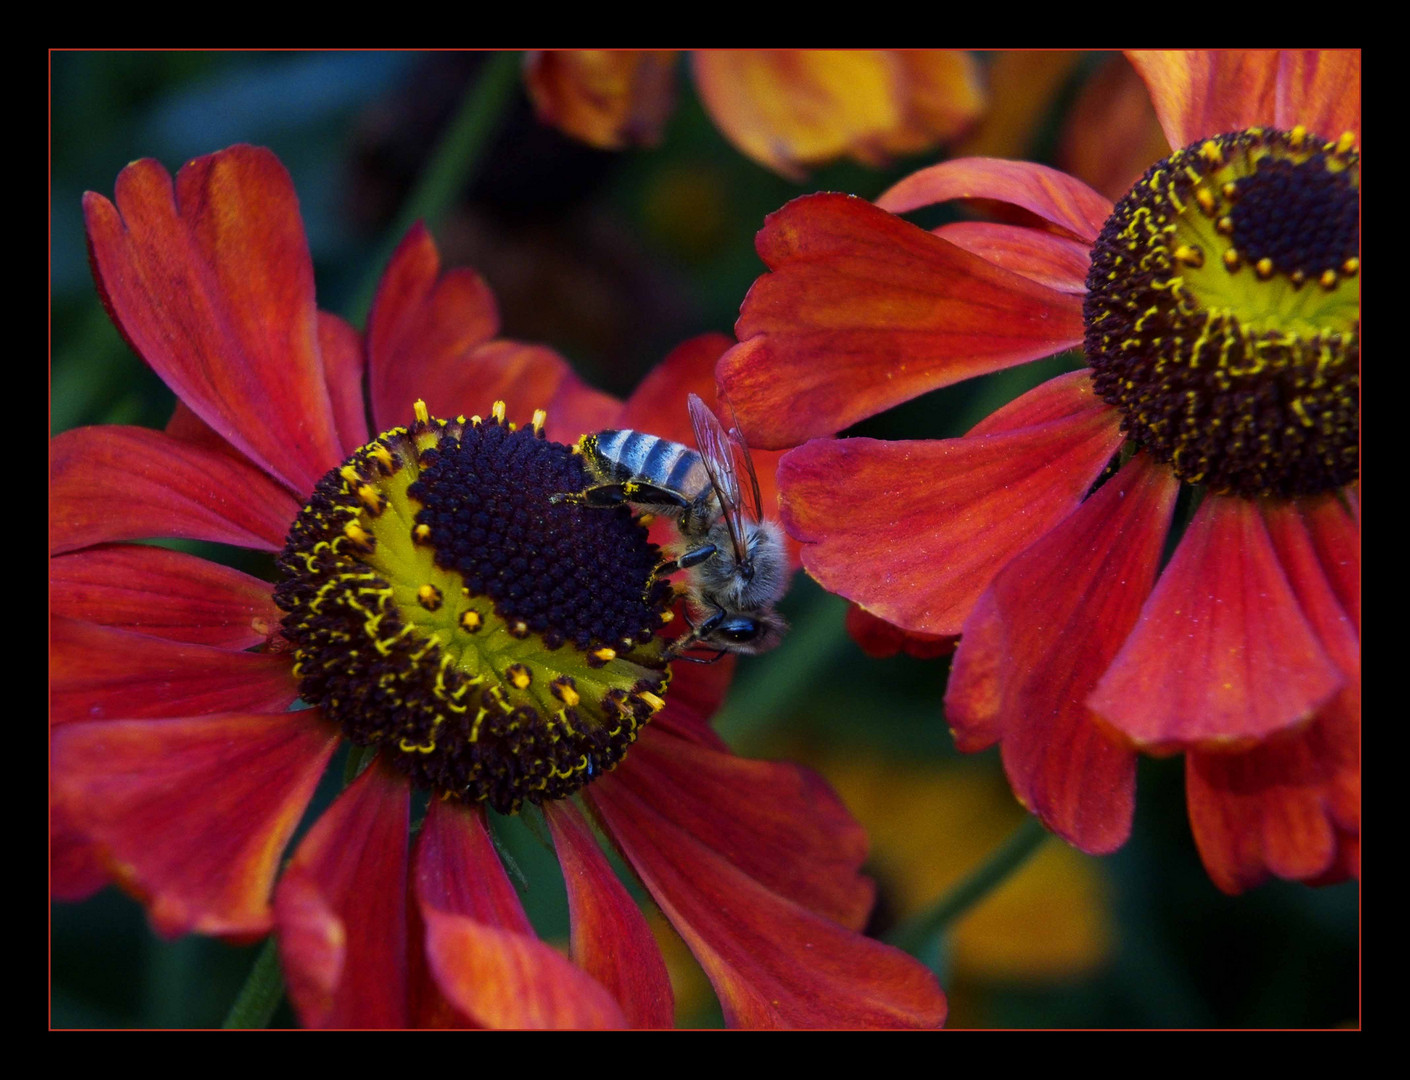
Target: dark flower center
496, 646
1223, 312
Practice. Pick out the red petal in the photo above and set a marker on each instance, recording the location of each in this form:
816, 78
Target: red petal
422, 325
525, 377
194, 813
1049, 259
1054, 196
479, 945
863, 311
1199, 93
697, 691
1321, 90
76, 868
577, 408
166, 594
344, 366
777, 822
879, 638
1222, 655
340, 909
1290, 806
914, 531
1274, 809
1039, 639
101, 673
213, 286
166, 487
611, 940
1336, 533
773, 963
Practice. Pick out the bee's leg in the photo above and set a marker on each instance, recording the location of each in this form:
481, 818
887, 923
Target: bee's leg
603, 495
697, 632
694, 557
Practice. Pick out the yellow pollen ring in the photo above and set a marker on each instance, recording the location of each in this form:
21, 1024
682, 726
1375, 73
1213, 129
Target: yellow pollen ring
656, 703
540, 418
1346, 142
421, 534
422, 414
497, 411
471, 620
605, 654
357, 534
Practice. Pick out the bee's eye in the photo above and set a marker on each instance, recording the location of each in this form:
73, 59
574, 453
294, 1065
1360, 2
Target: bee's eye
741, 629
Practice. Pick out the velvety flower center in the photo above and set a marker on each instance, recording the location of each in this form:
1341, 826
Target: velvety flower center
1223, 312
496, 646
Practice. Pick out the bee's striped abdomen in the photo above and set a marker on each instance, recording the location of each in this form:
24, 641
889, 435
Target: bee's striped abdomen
636, 455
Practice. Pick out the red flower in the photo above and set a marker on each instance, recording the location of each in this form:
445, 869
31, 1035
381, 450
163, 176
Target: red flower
180, 771
1079, 649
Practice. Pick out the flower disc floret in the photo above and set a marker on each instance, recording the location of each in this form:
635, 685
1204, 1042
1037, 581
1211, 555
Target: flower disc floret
495, 646
1223, 312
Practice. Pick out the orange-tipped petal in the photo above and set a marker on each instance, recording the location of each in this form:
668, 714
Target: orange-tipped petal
1059, 199
1321, 90
162, 593
790, 109
211, 283
102, 673
1112, 135
340, 909
915, 531
773, 963
1223, 655
1023, 83
1039, 639
777, 822
164, 486
193, 813
422, 326
608, 98
1289, 806
1054, 261
611, 939
344, 365
480, 948
577, 408
1198, 93
863, 310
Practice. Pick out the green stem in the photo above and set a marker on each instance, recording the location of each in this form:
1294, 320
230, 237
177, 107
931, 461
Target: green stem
451, 167
261, 994
915, 934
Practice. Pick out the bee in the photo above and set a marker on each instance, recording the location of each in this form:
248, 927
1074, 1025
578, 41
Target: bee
735, 561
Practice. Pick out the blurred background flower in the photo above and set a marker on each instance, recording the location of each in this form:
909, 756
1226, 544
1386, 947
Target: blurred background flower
616, 257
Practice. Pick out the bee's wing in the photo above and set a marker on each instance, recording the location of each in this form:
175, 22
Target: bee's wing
756, 505
717, 452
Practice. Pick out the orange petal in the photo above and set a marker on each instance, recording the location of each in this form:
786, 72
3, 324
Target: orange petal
1047, 258
211, 283
1321, 90
611, 939
193, 814
789, 109
608, 98
1057, 198
1039, 639
777, 822
773, 963
915, 531
480, 948
340, 909
1023, 83
164, 487
1112, 135
863, 311
102, 673
1222, 655
162, 593
1198, 93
